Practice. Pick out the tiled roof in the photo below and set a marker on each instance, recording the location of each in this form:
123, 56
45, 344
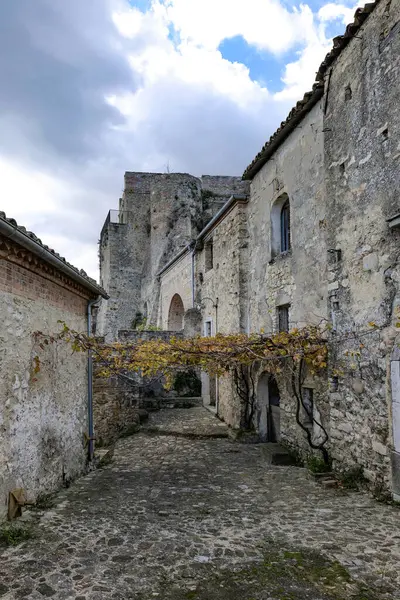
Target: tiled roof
310, 98
46, 252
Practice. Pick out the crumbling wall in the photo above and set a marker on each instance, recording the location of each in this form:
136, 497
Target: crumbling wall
43, 416
362, 153
295, 278
159, 214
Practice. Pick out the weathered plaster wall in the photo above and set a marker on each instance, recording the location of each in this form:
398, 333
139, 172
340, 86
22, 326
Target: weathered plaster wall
296, 278
362, 163
43, 417
222, 294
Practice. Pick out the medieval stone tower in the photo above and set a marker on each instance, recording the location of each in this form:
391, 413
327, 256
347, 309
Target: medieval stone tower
159, 215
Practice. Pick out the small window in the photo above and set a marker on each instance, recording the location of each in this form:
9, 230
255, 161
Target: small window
208, 329
308, 408
209, 256
285, 227
283, 318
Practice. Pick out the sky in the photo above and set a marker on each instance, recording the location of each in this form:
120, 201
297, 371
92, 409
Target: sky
91, 89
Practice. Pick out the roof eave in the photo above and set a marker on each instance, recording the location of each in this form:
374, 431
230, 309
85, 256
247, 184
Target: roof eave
14, 233
284, 131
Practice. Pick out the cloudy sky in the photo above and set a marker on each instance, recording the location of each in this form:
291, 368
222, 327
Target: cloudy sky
92, 88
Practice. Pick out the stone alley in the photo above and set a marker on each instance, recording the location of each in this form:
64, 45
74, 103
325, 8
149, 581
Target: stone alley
183, 512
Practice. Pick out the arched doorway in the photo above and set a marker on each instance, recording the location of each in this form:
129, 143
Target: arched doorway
268, 409
175, 314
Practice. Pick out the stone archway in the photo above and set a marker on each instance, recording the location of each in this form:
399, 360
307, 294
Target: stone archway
176, 314
268, 409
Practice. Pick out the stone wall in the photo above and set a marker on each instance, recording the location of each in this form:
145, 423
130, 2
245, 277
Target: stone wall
43, 417
116, 400
177, 280
222, 294
159, 214
115, 404
362, 165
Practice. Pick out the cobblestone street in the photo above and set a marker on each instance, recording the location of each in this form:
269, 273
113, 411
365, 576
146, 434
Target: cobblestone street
175, 516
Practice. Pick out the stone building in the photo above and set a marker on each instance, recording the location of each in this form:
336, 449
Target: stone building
159, 215
44, 417
315, 238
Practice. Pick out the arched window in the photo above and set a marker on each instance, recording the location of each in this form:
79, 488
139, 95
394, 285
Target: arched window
285, 227
280, 226
176, 313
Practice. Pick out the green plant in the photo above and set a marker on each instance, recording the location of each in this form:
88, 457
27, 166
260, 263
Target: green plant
44, 502
140, 323
315, 464
12, 535
353, 479
187, 383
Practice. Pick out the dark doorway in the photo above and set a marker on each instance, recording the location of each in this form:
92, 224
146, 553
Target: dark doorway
274, 421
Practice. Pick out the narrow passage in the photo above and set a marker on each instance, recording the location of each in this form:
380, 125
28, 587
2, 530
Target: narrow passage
183, 512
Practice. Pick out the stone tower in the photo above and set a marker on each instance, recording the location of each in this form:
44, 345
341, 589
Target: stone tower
159, 215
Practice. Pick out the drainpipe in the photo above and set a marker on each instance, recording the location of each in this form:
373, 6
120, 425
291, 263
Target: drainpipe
216, 379
193, 259
91, 303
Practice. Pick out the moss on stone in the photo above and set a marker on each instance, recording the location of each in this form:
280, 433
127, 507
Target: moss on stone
281, 575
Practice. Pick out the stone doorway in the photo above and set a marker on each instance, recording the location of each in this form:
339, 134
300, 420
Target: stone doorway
268, 409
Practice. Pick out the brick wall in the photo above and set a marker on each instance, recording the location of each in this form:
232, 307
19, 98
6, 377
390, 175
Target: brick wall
19, 280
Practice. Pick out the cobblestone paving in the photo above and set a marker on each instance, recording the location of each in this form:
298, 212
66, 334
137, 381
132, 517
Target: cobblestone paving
176, 517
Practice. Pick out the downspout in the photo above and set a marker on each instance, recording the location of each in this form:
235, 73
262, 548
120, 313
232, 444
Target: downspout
193, 259
217, 378
91, 303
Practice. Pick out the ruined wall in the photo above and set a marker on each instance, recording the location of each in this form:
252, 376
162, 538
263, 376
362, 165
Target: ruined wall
116, 400
159, 214
362, 163
124, 251
216, 190
43, 417
115, 404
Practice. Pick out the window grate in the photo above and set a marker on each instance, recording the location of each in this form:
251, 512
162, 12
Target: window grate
285, 227
283, 318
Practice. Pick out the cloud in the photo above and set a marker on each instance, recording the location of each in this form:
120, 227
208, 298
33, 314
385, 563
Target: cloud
266, 24
96, 87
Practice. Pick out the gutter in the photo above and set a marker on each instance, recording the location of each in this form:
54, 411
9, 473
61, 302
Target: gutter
14, 233
194, 244
219, 214
174, 259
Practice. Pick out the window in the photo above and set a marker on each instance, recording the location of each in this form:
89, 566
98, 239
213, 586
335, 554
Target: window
280, 226
308, 408
285, 227
208, 329
209, 256
283, 318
